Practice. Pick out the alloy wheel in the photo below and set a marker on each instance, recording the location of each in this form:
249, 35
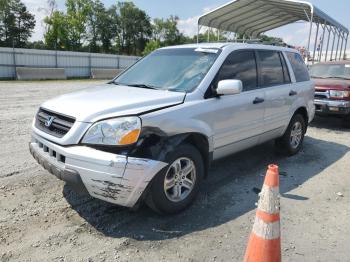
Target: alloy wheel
296, 134
180, 179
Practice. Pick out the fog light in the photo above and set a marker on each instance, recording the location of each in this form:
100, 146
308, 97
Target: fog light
334, 109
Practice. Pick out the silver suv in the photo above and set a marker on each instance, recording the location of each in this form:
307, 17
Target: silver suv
152, 132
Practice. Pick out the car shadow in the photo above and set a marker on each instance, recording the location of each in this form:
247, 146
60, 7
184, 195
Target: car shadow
229, 192
329, 122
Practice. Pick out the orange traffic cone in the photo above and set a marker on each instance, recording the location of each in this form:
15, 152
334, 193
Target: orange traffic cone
265, 243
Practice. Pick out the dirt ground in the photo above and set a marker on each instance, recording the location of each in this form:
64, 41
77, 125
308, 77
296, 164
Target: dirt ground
41, 219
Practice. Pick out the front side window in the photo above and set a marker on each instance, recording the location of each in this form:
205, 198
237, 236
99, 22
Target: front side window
271, 69
178, 69
240, 65
300, 70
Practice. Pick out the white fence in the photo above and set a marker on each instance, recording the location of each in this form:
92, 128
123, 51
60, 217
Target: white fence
76, 64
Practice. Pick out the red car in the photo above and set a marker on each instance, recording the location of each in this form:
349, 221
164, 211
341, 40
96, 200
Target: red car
332, 94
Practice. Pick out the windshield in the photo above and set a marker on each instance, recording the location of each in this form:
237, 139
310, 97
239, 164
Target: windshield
341, 71
178, 69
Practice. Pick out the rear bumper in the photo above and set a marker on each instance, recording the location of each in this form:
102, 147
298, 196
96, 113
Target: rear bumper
337, 107
113, 178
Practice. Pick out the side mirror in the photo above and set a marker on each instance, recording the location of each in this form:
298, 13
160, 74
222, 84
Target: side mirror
229, 87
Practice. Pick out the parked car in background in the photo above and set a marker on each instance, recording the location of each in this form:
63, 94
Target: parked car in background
332, 91
152, 132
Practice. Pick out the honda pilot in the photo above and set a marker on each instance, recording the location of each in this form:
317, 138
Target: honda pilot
151, 134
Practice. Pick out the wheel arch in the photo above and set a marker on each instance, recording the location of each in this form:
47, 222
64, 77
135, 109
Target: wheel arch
201, 143
155, 144
303, 111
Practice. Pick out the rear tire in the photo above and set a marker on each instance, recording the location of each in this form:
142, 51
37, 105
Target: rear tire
291, 142
175, 187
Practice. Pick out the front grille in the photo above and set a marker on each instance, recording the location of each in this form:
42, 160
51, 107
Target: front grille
322, 94
58, 126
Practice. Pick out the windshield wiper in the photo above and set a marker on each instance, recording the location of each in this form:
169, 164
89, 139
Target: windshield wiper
143, 86
137, 85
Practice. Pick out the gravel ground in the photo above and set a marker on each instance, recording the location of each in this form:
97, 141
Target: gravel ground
41, 219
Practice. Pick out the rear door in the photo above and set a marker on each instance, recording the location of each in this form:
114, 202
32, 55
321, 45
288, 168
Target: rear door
237, 120
276, 83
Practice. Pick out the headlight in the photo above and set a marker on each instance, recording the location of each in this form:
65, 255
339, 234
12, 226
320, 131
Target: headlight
339, 94
117, 132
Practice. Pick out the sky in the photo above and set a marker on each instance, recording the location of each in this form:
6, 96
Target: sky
188, 11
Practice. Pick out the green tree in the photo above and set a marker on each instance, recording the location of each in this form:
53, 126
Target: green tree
166, 31
16, 23
107, 28
76, 22
36, 45
3, 14
56, 36
134, 28
270, 40
151, 46
101, 27
93, 21
213, 36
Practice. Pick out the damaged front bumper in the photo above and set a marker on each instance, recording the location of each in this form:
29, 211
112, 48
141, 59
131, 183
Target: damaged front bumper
113, 178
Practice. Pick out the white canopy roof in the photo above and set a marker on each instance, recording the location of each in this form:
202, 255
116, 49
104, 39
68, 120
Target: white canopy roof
253, 17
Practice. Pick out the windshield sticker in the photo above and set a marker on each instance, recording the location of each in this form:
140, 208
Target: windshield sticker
347, 66
207, 50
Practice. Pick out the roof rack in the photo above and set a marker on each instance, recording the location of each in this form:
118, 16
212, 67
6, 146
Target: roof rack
254, 17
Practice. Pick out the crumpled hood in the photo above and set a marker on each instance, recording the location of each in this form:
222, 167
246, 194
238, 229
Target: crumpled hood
108, 100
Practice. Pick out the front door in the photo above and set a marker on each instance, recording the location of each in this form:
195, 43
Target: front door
237, 120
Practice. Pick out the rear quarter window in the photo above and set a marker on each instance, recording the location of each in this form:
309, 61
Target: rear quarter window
300, 70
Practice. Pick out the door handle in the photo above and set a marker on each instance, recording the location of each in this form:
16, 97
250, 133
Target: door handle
293, 93
258, 100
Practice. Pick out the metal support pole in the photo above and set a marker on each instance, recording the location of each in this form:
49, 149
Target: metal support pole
90, 66
56, 63
341, 45
14, 58
334, 32
336, 53
228, 35
329, 37
321, 47
315, 45
218, 35
56, 59
310, 31
346, 42
208, 34
198, 33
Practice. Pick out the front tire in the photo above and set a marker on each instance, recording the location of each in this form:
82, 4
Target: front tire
291, 142
176, 186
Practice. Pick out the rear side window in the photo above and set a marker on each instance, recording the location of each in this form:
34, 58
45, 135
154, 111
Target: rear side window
300, 70
271, 69
240, 65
